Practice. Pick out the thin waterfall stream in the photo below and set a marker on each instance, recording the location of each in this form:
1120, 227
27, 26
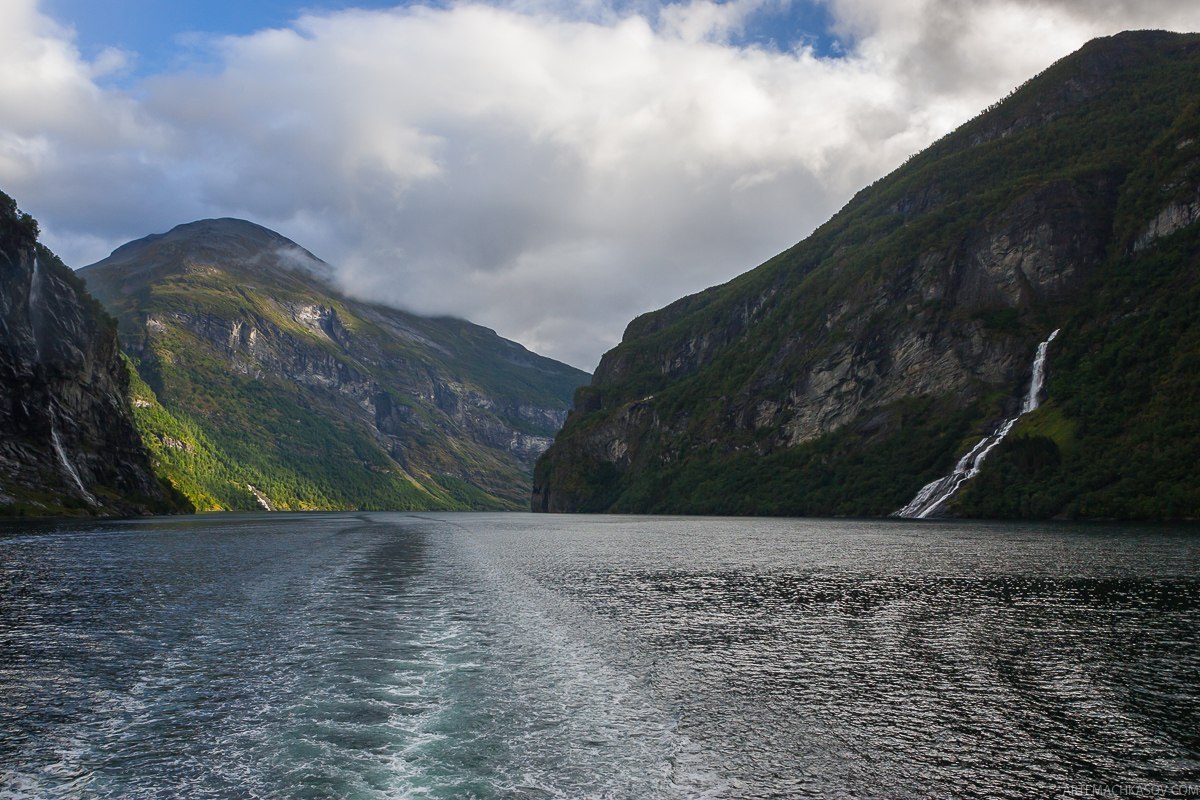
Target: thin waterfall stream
68, 467
935, 493
35, 304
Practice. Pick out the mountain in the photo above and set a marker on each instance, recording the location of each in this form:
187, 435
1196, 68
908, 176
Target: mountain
67, 439
259, 385
845, 374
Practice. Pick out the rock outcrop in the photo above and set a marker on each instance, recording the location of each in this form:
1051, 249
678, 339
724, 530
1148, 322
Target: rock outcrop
67, 439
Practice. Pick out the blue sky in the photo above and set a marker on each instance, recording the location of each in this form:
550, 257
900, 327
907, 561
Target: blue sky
550, 169
163, 35
158, 31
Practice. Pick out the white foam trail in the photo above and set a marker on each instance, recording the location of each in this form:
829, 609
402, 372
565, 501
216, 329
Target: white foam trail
935, 493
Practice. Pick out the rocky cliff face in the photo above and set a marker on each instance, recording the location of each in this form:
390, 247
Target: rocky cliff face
842, 375
293, 395
67, 440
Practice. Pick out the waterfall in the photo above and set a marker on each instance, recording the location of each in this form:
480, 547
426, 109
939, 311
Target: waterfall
935, 493
261, 498
35, 305
66, 462
1039, 375
35, 285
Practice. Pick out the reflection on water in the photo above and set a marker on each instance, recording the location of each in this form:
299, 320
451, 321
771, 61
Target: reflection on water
443, 655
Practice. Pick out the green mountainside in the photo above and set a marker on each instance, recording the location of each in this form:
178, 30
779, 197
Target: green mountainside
256, 384
844, 374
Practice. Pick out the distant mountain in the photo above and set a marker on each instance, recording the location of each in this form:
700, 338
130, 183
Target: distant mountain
260, 385
859, 366
67, 439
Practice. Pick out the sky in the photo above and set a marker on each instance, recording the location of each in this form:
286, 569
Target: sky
547, 169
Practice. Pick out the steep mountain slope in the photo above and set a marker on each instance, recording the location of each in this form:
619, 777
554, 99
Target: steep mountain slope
260, 385
67, 440
846, 373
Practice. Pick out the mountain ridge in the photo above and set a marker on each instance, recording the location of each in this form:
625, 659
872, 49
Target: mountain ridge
237, 332
850, 370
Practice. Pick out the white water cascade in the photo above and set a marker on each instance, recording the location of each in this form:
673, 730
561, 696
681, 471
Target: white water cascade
35, 299
934, 494
66, 462
35, 302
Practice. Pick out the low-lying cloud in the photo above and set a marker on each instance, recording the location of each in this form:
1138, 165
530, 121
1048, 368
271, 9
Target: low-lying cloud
548, 173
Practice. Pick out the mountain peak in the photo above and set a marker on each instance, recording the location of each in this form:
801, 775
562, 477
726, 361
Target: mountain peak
265, 386
226, 240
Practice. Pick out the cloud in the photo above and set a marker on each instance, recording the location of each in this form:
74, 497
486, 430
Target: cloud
89, 161
546, 171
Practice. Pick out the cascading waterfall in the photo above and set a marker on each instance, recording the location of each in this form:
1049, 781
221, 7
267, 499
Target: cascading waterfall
35, 304
1039, 375
35, 309
934, 494
66, 462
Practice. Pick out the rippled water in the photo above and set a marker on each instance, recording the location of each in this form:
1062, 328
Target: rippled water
390, 655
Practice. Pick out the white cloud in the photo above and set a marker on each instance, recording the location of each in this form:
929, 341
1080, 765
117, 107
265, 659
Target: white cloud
547, 174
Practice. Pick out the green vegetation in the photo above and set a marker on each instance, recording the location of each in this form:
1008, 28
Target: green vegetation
1122, 439
256, 384
264, 440
835, 472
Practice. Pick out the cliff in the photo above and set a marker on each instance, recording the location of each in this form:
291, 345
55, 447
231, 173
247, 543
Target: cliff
67, 440
260, 385
850, 371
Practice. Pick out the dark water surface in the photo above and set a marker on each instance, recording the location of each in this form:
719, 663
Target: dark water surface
456, 655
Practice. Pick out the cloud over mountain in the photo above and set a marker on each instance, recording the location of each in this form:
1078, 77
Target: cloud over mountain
548, 172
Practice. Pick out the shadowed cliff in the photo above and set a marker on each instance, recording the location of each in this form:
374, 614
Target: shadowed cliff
67, 439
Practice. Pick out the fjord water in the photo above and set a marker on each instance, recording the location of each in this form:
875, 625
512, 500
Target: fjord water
460, 655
